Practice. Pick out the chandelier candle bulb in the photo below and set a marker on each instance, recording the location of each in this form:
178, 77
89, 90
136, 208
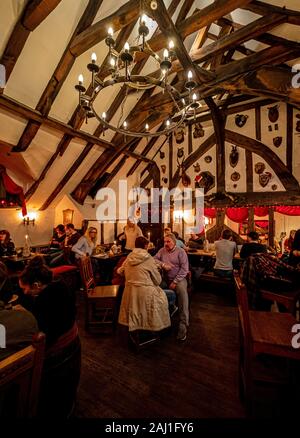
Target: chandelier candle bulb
94, 57
110, 31
171, 45
80, 79
126, 47
147, 127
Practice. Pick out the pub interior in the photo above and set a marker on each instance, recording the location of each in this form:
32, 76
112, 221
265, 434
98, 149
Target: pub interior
149, 237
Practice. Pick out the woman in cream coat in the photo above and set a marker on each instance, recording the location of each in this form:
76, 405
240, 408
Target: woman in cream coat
144, 304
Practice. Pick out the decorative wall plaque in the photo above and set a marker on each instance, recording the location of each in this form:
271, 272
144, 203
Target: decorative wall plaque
259, 168
240, 120
273, 113
208, 159
264, 178
235, 176
277, 141
234, 156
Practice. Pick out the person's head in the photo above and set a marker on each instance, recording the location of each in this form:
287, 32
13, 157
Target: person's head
167, 230
226, 234
130, 222
69, 229
4, 236
169, 241
60, 229
253, 236
292, 234
91, 234
141, 242
35, 276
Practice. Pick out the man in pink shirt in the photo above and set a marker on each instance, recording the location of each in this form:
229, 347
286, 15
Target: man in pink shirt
174, 262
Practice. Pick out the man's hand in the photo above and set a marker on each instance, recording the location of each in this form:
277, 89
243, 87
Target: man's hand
167, 266
173, 286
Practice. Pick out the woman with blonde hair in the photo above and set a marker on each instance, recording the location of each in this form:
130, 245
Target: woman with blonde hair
86, 244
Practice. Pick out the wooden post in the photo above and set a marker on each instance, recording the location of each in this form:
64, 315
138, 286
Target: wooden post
251, 225
271, 227
220, 217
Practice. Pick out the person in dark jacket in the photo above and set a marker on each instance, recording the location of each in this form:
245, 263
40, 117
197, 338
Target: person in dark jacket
252, 246
50, 301
7, 246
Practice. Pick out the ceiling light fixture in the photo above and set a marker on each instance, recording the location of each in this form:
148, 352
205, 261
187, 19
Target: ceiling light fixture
185, 103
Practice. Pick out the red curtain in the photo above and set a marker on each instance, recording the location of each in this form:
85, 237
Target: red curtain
237, 214
210, 212
12, 188
288, 210
261, 211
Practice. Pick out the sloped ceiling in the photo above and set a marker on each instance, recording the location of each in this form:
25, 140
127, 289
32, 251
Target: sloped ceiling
45, 45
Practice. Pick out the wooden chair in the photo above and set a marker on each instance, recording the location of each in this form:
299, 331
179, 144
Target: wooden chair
100, 301
20, 376
266, 333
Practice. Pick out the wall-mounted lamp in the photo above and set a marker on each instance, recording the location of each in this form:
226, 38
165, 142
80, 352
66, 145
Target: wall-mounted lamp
29, 218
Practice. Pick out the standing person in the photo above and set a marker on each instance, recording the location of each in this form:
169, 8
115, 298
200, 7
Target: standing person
174, 262
294, 258
131, 231
252, 246
86, 244
225, 250
144, 304
7, 246
288, 243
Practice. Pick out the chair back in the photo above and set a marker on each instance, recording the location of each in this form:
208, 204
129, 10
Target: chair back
20, 377
86, 273
243, 307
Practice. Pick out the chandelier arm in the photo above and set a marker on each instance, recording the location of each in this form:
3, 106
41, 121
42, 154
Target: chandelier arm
129, 133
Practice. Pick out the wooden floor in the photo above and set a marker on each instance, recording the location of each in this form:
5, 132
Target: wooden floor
193, 379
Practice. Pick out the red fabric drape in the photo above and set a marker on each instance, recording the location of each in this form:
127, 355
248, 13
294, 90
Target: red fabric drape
13, 188
210, 212
237, 214
261, 211
288, 210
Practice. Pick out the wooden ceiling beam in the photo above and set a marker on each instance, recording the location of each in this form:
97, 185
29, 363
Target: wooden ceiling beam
26, 113
256, 199
195, 22
61, 72
246, 33
125, 15
184, 11
261, 8
32, 16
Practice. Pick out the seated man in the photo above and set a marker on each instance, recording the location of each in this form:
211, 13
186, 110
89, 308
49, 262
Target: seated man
174, 262
196, 241
225, 250
252, 246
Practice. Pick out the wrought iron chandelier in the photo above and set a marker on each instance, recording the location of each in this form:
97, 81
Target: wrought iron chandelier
185, 103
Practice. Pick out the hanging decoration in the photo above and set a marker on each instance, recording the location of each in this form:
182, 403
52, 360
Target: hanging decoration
240, 120
198, 131
237, 214
208, 159
259, 168
264, 178
165, 180
163, 168
180, 153
274, 187
277, 141
185, 179
161, 155
206, 181
179, 135
273, 113
261, 211
196, 167
11, 194
235, 176
234, 156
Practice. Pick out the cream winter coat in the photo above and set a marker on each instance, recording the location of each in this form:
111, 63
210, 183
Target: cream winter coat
144, 304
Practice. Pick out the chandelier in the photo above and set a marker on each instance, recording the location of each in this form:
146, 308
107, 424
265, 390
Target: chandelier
185, 103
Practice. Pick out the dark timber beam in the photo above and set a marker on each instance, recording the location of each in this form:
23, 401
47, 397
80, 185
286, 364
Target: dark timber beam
98, 31
34, 13
287, 179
